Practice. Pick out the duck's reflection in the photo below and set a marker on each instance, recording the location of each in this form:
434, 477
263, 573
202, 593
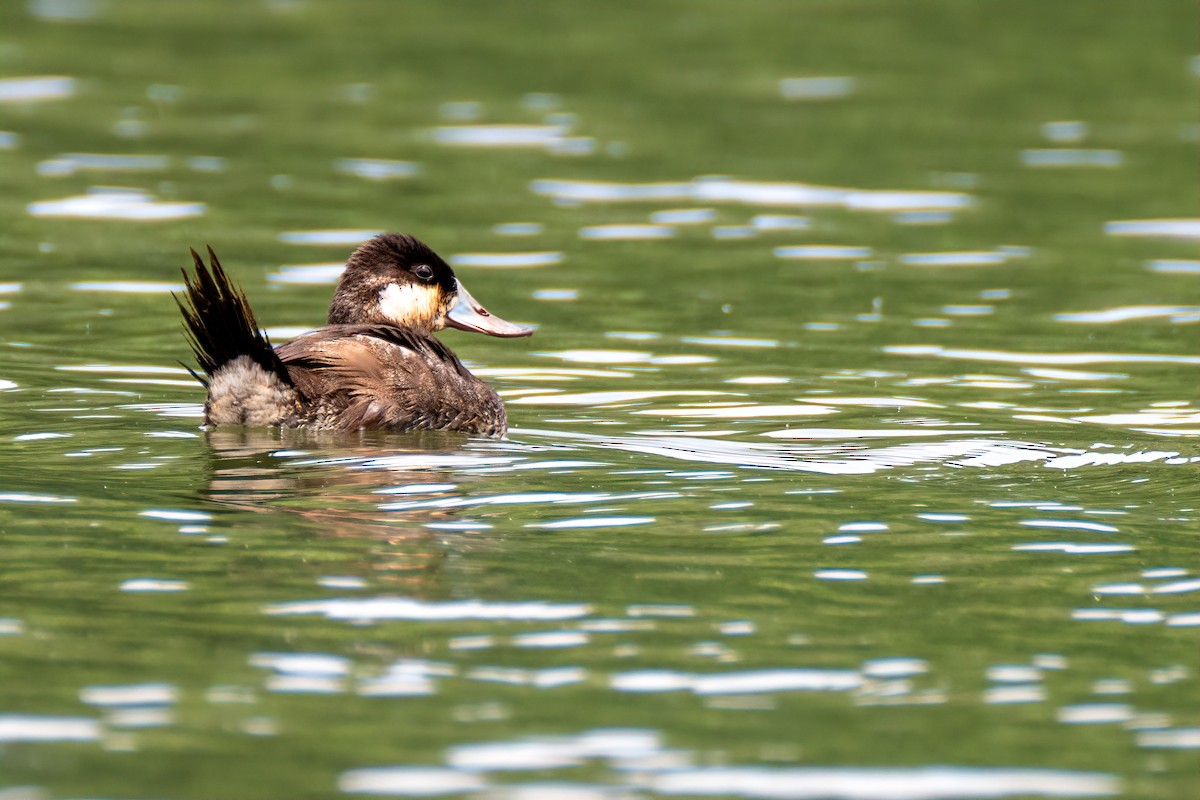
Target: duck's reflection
318, 477
252, 467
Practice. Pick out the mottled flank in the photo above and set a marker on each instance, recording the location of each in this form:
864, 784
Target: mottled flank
243, 393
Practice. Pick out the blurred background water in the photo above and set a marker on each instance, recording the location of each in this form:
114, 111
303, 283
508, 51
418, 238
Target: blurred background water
855, 455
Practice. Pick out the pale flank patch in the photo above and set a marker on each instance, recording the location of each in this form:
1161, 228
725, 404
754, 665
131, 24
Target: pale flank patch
411, 304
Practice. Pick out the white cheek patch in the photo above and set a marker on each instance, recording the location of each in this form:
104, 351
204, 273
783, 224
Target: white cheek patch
409, 305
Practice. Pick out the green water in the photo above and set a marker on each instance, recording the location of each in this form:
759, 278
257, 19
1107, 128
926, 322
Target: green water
764, 527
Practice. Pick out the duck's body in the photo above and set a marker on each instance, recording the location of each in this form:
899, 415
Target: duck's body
376, 365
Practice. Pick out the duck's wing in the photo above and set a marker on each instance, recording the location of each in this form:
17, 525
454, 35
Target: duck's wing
379, 376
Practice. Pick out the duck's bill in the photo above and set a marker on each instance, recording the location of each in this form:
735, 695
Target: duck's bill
468, 315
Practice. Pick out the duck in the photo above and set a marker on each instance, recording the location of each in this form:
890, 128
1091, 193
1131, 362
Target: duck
374, 365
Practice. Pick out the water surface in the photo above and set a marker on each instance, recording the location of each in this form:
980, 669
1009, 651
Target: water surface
855, 455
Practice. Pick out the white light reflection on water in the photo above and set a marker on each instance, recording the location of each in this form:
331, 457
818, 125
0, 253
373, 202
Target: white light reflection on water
1069, 157
1126, 313
501, 136
409, 781
1009, 695
972, 258
332, 238
36, 728
1166, 228
142, 694
971, 310
21, 497
728, 190
600, 356
404, 608
729, 341
740, 411
1014, 673
518, 229
311, 664
123, 204
551, 753
840, 575
377, 169
780, 222
591, 522
127, 287
551, 640
1065, 130
1072, 374
1177, 587
64, 10
1071, 524
506, 260
817, 88
671, 610
640, 762
125, 369
36, 89
1095, 714
1170, 738
596, 191
549, 678
1074, 548
1174, 266
206, 163
751, 682
548, 374
1011, 357
308, 273
405, 678
555, 295
154, 585
683, 216
70, 163
1130, 616
36, 437
609, 399
280, 333
865, 783
923, 217
823, 252
176, 515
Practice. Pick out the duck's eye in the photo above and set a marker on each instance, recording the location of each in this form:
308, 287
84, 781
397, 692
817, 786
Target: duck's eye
423, 271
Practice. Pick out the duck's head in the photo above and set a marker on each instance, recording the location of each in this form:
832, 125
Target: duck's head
395, 279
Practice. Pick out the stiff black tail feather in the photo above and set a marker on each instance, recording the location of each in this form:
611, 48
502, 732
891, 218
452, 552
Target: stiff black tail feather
220, 325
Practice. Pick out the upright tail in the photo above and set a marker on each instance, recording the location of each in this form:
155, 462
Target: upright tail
247, 382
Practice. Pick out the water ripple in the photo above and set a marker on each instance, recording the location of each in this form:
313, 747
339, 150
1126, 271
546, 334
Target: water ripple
403, 608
